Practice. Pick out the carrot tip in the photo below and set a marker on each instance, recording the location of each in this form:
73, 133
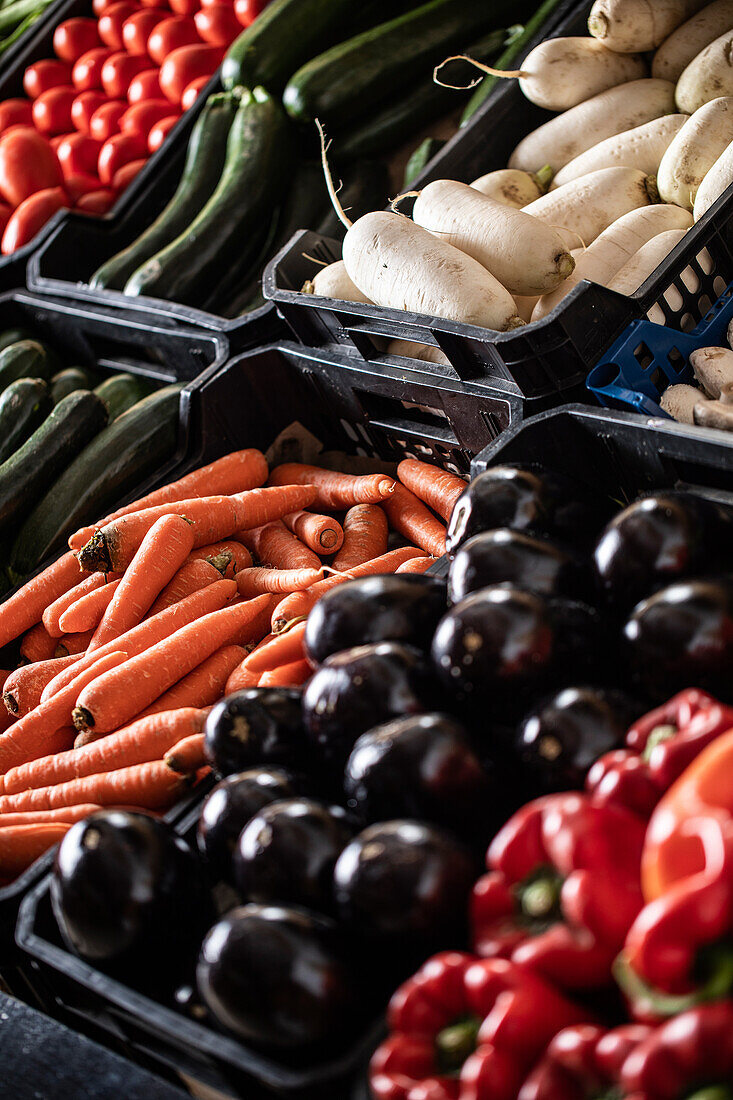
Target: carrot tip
82, 718
328, 539
94, 556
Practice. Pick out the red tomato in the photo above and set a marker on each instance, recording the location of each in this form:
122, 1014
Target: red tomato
170, 35
52, 111
186, 64
32, 215
99, 7
141, 118
247, 11
217, 25
96, 202
78, 155
43, 75
54, 142
145, 85
87, 73
137, 29
83, 107
111, 23
81, 184
15, 112
74, 37
154, 3
117, 152
160, 132
105, 121
193, 91
119, 70
126, 174
5, 213
27, 164
184, 7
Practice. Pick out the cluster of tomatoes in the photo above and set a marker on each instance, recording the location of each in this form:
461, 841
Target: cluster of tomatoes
119, 82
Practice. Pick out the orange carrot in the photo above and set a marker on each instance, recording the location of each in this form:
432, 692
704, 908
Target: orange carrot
292, 675
439, 489
240, 679
159, 557
151, 786
22, 689
365, 536
87, 612
150, 631
298, 604
234, 473
228, 556
191, 577
20, 845
22, 610
55, 610
410, 517
283, 649
335, 490
213, 519
204, 686
416, 565
252, 582
143, 740
68, 644
186, 756
279, 548
321, 534
66, 814
120, 694
37, 644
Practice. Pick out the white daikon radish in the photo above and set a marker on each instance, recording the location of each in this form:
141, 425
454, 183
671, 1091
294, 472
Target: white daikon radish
708, 76
588, 205
694, 150
615, 247
333, 282
526, 255
713, 369
612, 112
677, 51
633, 26
679, 402
513, 187
562, 72
410, 349
642, 148
645, 262
400, 265
714, 183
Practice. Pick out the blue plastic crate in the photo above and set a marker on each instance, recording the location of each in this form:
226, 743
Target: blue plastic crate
647, 358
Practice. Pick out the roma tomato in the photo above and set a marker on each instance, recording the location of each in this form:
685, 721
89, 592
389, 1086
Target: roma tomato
184, 7
154, 3
74, 37
83, 107
78, 155
160, 132
87, 74
32, 215
43, 75
52, 111
117, 152
126, 174
112, 22
144, 86
247, 11
27, 164
99, 7
170, 35
187, 64
193, 91
76, 186
15, 112
105, 121
96, 202
5, 213
217, 25
141, 118
137, 30
119, 70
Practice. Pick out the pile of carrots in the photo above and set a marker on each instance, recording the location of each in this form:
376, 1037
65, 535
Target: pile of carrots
199, 589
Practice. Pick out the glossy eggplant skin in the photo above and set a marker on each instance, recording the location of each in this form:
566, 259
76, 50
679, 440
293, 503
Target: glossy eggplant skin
278, 978
384, 608
231, 804
130, 895
560, 740
683, 634
503, 556
287, 852
253, 727
658, 540
355, 690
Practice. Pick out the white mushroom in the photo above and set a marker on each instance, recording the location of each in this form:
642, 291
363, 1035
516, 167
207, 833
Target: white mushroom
713, 368
717, 414
679, 402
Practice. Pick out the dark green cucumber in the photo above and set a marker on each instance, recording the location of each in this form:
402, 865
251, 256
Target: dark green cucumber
350, 79
66, 381
204, 163
229, 230
110, 467
120, 392
24, 405
366, 188
13, 336
25, 359
69, 428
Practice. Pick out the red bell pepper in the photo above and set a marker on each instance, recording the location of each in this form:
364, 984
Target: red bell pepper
563, 889
583, 1063
464, 1028
687, 1058
658, 749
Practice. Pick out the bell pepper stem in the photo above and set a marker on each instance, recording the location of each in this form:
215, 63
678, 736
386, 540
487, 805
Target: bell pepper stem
658, 736
455, 1043
714, 1092
539, 895
718, 959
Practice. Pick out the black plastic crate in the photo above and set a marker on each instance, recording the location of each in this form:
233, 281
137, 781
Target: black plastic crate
548, 357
